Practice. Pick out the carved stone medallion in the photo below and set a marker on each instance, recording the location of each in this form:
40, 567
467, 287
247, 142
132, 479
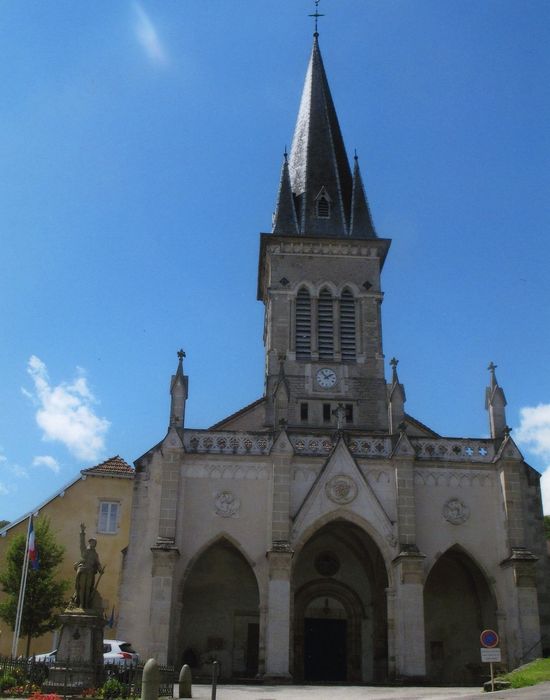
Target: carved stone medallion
456, 511
341, 489
227, 504
327, 564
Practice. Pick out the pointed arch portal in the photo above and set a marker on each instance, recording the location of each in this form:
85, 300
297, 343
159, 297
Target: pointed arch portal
340, 620
458, 606
220, 614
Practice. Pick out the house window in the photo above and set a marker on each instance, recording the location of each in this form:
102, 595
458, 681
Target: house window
326, 413
325, 325
349, 413
347, 325
304, 411
303, 325
108, 517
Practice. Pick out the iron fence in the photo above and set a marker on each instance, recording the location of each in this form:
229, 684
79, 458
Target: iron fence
77, 677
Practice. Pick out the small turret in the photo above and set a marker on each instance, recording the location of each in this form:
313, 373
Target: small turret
396, 399
178, 392
495, 403
284, 219
361, 225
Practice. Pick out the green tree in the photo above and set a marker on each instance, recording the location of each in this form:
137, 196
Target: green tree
44, 595
3, 523
547, 526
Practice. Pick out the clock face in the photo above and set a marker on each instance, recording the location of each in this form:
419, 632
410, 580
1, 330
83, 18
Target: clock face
326, 378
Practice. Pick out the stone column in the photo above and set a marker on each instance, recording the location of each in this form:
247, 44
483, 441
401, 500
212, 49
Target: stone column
409, 642
527, 634
162, 581
277, 634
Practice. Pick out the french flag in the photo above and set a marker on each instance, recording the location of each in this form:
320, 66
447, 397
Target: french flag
33, 551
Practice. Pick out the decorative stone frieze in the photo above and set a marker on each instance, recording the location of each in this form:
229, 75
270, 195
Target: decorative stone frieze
225, 471
227, 442
459, 450
457, 479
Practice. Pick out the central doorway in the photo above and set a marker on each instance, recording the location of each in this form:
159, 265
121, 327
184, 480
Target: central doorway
325, 650
340, 625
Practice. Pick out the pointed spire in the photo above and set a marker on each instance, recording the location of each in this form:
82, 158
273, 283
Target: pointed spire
284, 219
361, 225
495, 403
318, 158
396, 400
178, 393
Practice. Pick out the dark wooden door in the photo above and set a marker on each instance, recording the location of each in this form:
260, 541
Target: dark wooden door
325, 650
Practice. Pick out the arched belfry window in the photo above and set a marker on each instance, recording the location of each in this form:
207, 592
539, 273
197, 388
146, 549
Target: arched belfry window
303, 324
322, 205
325, 325
347, 326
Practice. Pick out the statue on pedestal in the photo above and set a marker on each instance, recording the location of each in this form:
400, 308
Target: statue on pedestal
86, 569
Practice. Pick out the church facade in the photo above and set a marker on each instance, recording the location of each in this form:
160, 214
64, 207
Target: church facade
322, 533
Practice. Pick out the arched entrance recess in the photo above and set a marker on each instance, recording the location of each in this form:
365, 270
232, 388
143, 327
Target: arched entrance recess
458, 605
340, 621
220, 614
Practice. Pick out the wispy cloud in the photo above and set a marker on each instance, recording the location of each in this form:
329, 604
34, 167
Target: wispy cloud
47, 461
65, 412
148, 37
9, 471
534, 434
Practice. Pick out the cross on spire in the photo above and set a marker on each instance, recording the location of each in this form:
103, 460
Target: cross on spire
316, 15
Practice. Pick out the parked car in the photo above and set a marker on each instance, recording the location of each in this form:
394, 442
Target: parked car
116, 651
47, 658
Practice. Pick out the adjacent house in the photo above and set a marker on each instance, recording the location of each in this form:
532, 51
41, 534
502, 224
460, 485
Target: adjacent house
101, 498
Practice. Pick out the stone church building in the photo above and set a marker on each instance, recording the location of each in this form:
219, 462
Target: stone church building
322, 533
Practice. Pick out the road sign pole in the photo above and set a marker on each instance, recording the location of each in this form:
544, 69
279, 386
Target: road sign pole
492, 678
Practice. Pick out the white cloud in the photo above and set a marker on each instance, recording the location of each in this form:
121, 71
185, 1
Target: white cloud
18, 471
3, 489
47, 461
66, 414
148, 36
534, 434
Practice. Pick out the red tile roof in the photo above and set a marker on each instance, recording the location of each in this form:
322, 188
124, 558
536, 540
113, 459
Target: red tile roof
114, 466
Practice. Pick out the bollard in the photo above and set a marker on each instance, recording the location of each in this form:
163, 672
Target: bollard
215, 667
150, 681
185, 681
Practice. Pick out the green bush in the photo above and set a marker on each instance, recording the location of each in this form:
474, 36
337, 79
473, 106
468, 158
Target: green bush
7, 680
112, 688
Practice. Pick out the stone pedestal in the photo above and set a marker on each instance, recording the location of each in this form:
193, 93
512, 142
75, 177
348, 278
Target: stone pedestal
81, 644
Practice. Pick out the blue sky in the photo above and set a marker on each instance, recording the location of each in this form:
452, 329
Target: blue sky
140, 151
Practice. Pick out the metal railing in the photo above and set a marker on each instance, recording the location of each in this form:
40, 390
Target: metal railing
78, 677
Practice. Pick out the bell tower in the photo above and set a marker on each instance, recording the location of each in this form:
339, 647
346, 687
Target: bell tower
319, 279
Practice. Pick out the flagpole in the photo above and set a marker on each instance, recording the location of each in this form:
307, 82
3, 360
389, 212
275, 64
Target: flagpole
23, 586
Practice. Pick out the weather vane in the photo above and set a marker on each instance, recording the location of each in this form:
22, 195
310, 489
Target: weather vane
316, 15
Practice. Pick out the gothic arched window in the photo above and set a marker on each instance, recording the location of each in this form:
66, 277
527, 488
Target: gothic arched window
325, 325
303, 325
347, 325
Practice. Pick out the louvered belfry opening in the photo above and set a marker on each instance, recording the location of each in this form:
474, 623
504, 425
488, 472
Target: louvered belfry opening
323, 208
347, 326
325, 325
303, 325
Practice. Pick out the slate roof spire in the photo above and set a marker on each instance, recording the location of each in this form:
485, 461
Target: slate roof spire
327, 200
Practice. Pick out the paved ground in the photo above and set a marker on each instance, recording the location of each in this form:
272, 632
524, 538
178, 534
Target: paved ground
324, 692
